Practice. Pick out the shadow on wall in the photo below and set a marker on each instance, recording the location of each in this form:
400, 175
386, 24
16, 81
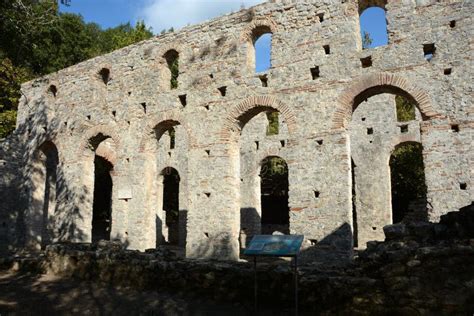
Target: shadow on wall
334, 249
218, 246
25, 218
250, 225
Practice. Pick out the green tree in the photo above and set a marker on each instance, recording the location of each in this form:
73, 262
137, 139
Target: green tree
10, 80
405, 109
36, 39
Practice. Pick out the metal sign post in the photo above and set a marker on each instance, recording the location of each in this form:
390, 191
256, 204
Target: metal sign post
275, 246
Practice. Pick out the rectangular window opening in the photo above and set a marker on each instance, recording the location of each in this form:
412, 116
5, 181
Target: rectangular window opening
182, 99
264, 80
222, 90
282, 143
327, 49
315, 72
404, 129
257, 145
114, 113
455, 128
463, 186
429, 51
452, 23
448, 71
366, 62
316, 194
370, 131
321, 17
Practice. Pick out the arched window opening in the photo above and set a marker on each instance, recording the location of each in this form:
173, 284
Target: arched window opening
408, 183
171, 181
104, 73
172, 59
262, 44
405, 109
274, 196
102, 204
273, 123
373, 24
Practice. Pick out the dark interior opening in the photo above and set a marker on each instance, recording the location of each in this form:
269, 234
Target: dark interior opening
274, 196
408, 183
171, 203
102, 205
355, 231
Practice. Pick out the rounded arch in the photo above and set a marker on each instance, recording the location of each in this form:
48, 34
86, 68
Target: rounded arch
238, 116
365, 4
368, 86
158, 125
94, 137
256, 28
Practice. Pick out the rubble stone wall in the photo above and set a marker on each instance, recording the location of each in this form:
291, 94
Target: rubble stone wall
215, 153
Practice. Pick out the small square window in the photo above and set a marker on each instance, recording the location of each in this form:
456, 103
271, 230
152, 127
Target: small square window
327, 49
315, 72
429, 51
366, 62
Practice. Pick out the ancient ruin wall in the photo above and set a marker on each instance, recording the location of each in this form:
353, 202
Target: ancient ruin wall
214, 151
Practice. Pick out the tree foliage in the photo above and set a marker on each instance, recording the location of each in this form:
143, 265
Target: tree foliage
10, 81
407, 176
36, 39
405, 109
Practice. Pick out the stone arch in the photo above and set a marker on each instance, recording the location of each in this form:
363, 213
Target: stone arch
238, 116
255, 28
158, 125
94, 136
365, 4
368, 86
253, 31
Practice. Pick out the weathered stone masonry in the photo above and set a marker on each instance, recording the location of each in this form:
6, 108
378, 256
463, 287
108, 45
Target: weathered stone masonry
124, 113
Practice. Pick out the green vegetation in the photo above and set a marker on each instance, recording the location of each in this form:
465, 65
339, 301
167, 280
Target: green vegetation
273, 124
407, 176
405, 109
36, 39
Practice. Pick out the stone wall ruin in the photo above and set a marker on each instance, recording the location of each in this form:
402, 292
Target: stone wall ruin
208, 122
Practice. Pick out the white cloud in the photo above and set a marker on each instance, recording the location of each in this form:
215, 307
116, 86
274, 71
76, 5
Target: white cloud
164, 14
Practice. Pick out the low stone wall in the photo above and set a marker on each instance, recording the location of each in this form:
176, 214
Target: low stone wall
421, 268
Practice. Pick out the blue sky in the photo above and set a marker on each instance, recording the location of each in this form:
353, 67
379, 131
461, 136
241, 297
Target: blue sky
164, 14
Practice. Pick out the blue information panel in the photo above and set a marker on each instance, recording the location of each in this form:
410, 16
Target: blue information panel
274, 245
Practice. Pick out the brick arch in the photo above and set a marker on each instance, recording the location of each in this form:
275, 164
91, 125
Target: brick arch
159, 124
248, 34
368, 86
238, 116
103, 132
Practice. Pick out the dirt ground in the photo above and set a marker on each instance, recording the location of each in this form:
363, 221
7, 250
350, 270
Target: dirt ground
29, 294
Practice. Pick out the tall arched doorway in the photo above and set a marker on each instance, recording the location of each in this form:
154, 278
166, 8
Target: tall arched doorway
274, 196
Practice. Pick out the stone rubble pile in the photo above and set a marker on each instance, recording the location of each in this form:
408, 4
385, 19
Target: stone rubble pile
421, 268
